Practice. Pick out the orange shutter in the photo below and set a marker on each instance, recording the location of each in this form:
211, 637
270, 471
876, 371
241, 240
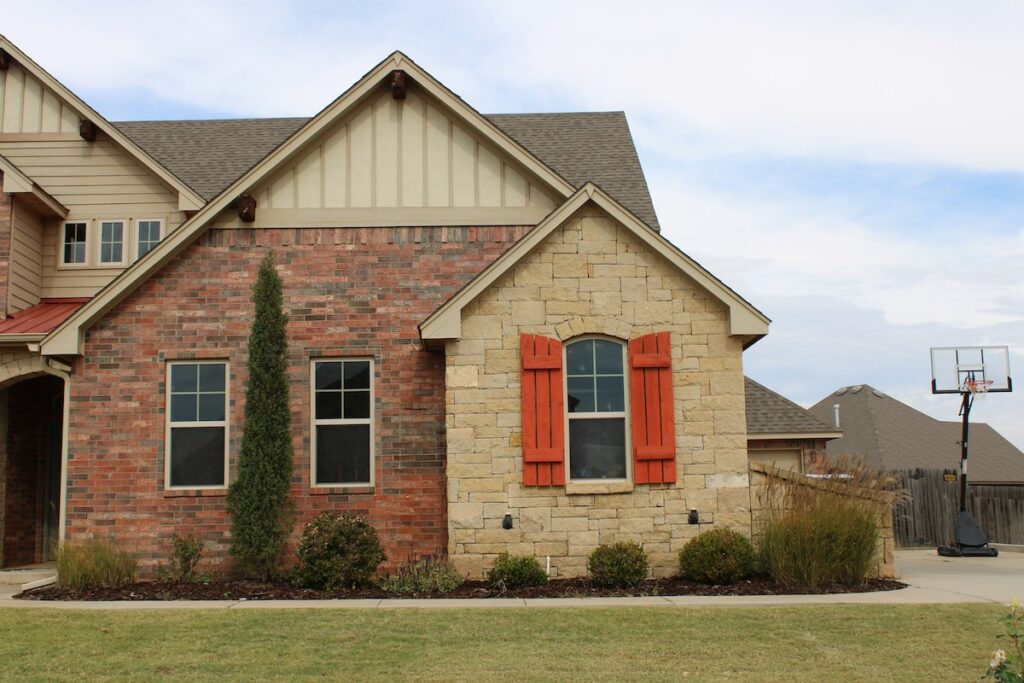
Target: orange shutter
543, 407
650, 391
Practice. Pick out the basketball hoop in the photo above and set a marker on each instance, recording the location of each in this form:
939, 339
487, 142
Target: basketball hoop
977, 386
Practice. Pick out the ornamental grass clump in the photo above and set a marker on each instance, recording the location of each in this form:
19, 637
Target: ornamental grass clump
338, 552
824, 531
718, 557
620, 565
423, 576
516, 571
95, 563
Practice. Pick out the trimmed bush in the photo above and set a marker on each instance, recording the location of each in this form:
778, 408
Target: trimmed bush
516, 571
720, 556
95, 563
259, 501
620, 565
423, 576
182, 568
338, 552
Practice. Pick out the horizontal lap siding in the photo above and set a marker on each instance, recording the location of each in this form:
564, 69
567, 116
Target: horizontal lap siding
93, 180
26, 259
347, 291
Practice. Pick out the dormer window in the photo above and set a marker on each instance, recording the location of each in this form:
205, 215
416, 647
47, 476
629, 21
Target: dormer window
112, 235
74, 250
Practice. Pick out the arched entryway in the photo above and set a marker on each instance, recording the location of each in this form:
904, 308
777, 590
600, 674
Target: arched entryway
31, 443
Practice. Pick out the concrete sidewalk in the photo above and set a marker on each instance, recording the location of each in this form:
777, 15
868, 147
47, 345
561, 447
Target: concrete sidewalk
932, 580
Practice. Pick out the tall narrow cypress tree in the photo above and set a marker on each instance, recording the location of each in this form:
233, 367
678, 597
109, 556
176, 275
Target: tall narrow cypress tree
259, 501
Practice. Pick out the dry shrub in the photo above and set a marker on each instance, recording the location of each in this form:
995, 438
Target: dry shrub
96, 563
824, 530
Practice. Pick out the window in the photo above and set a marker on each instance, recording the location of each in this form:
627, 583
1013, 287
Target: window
342, 422
74, 252
197, 424
148, 235
112, 242
596, 407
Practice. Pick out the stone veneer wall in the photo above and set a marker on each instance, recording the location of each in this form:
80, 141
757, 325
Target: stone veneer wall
591, 276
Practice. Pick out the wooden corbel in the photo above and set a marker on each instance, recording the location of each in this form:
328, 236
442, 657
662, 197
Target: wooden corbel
247, 208
398, 84
87, 129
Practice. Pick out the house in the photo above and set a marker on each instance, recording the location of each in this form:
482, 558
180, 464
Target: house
783, 434
491, 346
891, 435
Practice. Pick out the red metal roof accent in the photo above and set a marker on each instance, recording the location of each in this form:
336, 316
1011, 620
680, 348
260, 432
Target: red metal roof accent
41, 318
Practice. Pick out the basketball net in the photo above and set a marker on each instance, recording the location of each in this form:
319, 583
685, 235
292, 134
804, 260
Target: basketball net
977, 387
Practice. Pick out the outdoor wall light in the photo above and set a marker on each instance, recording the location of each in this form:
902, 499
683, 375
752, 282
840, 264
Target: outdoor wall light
694, 518
506, 522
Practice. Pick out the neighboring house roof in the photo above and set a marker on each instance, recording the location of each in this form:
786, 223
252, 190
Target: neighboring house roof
892, 435
581, 147
187, 197
744, 320
771, 415
39, 319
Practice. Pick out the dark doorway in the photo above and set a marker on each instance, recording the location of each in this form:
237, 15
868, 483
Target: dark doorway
31, 457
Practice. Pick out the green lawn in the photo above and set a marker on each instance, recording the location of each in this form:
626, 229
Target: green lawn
814, 643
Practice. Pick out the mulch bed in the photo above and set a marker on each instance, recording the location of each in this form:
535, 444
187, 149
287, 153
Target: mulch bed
556, 588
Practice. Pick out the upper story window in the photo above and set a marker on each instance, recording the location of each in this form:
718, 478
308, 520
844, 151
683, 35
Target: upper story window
342, 422
112, 234
197, 425
148, 234
74, 243
596, 409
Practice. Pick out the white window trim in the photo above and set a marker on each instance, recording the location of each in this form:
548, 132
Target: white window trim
135, 234
314, 422
61, 244
98, 242
626, 414
225, 423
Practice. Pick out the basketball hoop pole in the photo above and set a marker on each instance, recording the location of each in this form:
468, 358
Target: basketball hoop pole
965, 410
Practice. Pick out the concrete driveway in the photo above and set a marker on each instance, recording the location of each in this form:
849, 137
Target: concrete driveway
962, 579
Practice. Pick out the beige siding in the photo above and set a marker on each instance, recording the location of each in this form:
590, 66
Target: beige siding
94, 180
28, 106
26, 258
396, 154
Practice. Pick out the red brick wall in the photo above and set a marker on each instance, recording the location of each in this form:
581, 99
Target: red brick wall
31, 407
348, 292
6, 205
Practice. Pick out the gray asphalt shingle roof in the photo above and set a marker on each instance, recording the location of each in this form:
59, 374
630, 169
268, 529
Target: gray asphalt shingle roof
892, 435
208, 155
772, 413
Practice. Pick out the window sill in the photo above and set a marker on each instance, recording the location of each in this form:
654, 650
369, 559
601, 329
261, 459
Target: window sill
363, 489
595, 488
219, 492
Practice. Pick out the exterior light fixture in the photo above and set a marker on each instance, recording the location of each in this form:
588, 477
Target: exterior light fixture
506, 522
693, 518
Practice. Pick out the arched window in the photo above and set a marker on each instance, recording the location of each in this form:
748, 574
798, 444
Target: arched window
596, 408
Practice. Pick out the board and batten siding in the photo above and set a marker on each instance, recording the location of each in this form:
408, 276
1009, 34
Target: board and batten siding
94, 180
395, 154
24, 281
28, 106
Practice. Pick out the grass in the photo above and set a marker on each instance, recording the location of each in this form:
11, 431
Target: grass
812, 643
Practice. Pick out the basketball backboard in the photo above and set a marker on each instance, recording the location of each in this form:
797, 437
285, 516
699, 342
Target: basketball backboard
959, 369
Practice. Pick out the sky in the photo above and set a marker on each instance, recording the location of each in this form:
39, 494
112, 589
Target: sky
853, 169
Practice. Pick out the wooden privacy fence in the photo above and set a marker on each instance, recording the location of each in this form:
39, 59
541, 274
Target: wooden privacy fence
927, 517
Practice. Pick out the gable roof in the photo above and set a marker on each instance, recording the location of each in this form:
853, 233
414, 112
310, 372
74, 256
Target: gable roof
446, 321
187, 197
892, 435
17, 181
594, 146
67, 339
772, 415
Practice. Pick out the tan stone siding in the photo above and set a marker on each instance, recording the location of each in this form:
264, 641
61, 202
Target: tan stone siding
591, 276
